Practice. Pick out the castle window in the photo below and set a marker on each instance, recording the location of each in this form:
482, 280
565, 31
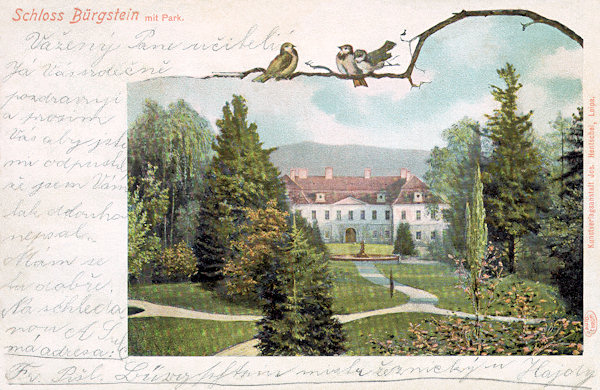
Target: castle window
418, 197
350, 215
338, 215
327, 234
403, 214
320, 197
314, 214
387, 214
418, 215
433, 235
418, 235
327, 214
381, 197
362, 214
374, 233
374, 214
387, 234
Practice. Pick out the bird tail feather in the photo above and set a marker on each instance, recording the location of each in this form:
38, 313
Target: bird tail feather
262, 78
388, 45
360, 83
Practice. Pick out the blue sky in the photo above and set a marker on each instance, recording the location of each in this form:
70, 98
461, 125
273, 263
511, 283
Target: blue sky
459, 61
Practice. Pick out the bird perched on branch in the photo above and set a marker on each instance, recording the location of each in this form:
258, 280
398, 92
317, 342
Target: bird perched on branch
347, 65
282, 66
369, 62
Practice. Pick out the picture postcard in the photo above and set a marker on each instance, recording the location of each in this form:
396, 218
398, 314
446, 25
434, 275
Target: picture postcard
344, 194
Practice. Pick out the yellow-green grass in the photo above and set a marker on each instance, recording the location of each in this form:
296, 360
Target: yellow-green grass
193, 296
359, 332
157, 336
440, 280
352, 249
546, 297
352, 293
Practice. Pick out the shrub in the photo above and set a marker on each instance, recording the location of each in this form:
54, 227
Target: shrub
456, 336
404, 244
176, 264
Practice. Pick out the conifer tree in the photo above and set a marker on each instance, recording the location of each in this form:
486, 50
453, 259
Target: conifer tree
476, 237
404, 244
514, 193
241, 177
296, 295
565, 227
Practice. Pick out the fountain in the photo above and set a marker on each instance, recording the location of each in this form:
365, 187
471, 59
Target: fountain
363, 256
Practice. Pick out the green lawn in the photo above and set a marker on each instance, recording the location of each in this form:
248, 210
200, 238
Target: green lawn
193, 296
439, 279
359, 332
157, 336
352, 293
352, 249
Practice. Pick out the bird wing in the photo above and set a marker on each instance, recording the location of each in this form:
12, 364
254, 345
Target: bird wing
381, 54
279, 63
340, 65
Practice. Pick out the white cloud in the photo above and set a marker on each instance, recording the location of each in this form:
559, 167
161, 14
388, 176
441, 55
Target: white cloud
473, 42
562, 63
532, 97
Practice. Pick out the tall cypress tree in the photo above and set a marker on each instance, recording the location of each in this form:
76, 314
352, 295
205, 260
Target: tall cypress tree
296, 295
476, 237
514, 187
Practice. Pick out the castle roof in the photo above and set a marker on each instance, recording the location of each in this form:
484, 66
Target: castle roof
329, 189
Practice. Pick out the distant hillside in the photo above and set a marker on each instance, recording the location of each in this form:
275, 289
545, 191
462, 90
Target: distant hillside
349, 160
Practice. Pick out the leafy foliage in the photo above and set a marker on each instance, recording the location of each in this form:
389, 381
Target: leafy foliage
177, 141
147, 205
142, 246
404, 244
259, 243
456, 336
451, 173
177, 263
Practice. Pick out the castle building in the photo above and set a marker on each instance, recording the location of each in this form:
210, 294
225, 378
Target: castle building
368, 208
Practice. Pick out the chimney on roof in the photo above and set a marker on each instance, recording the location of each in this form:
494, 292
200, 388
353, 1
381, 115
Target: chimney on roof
367, 173
408, 175
403, 172
293, 173
302, 173
328, 173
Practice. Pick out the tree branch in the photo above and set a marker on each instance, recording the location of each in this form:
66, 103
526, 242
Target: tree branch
407, 74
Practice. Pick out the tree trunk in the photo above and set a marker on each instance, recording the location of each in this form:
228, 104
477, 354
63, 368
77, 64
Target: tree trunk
172, 214
510, 267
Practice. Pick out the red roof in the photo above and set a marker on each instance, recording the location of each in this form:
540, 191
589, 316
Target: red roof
305, 190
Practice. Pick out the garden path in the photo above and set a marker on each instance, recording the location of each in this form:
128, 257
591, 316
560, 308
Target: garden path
420, 301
